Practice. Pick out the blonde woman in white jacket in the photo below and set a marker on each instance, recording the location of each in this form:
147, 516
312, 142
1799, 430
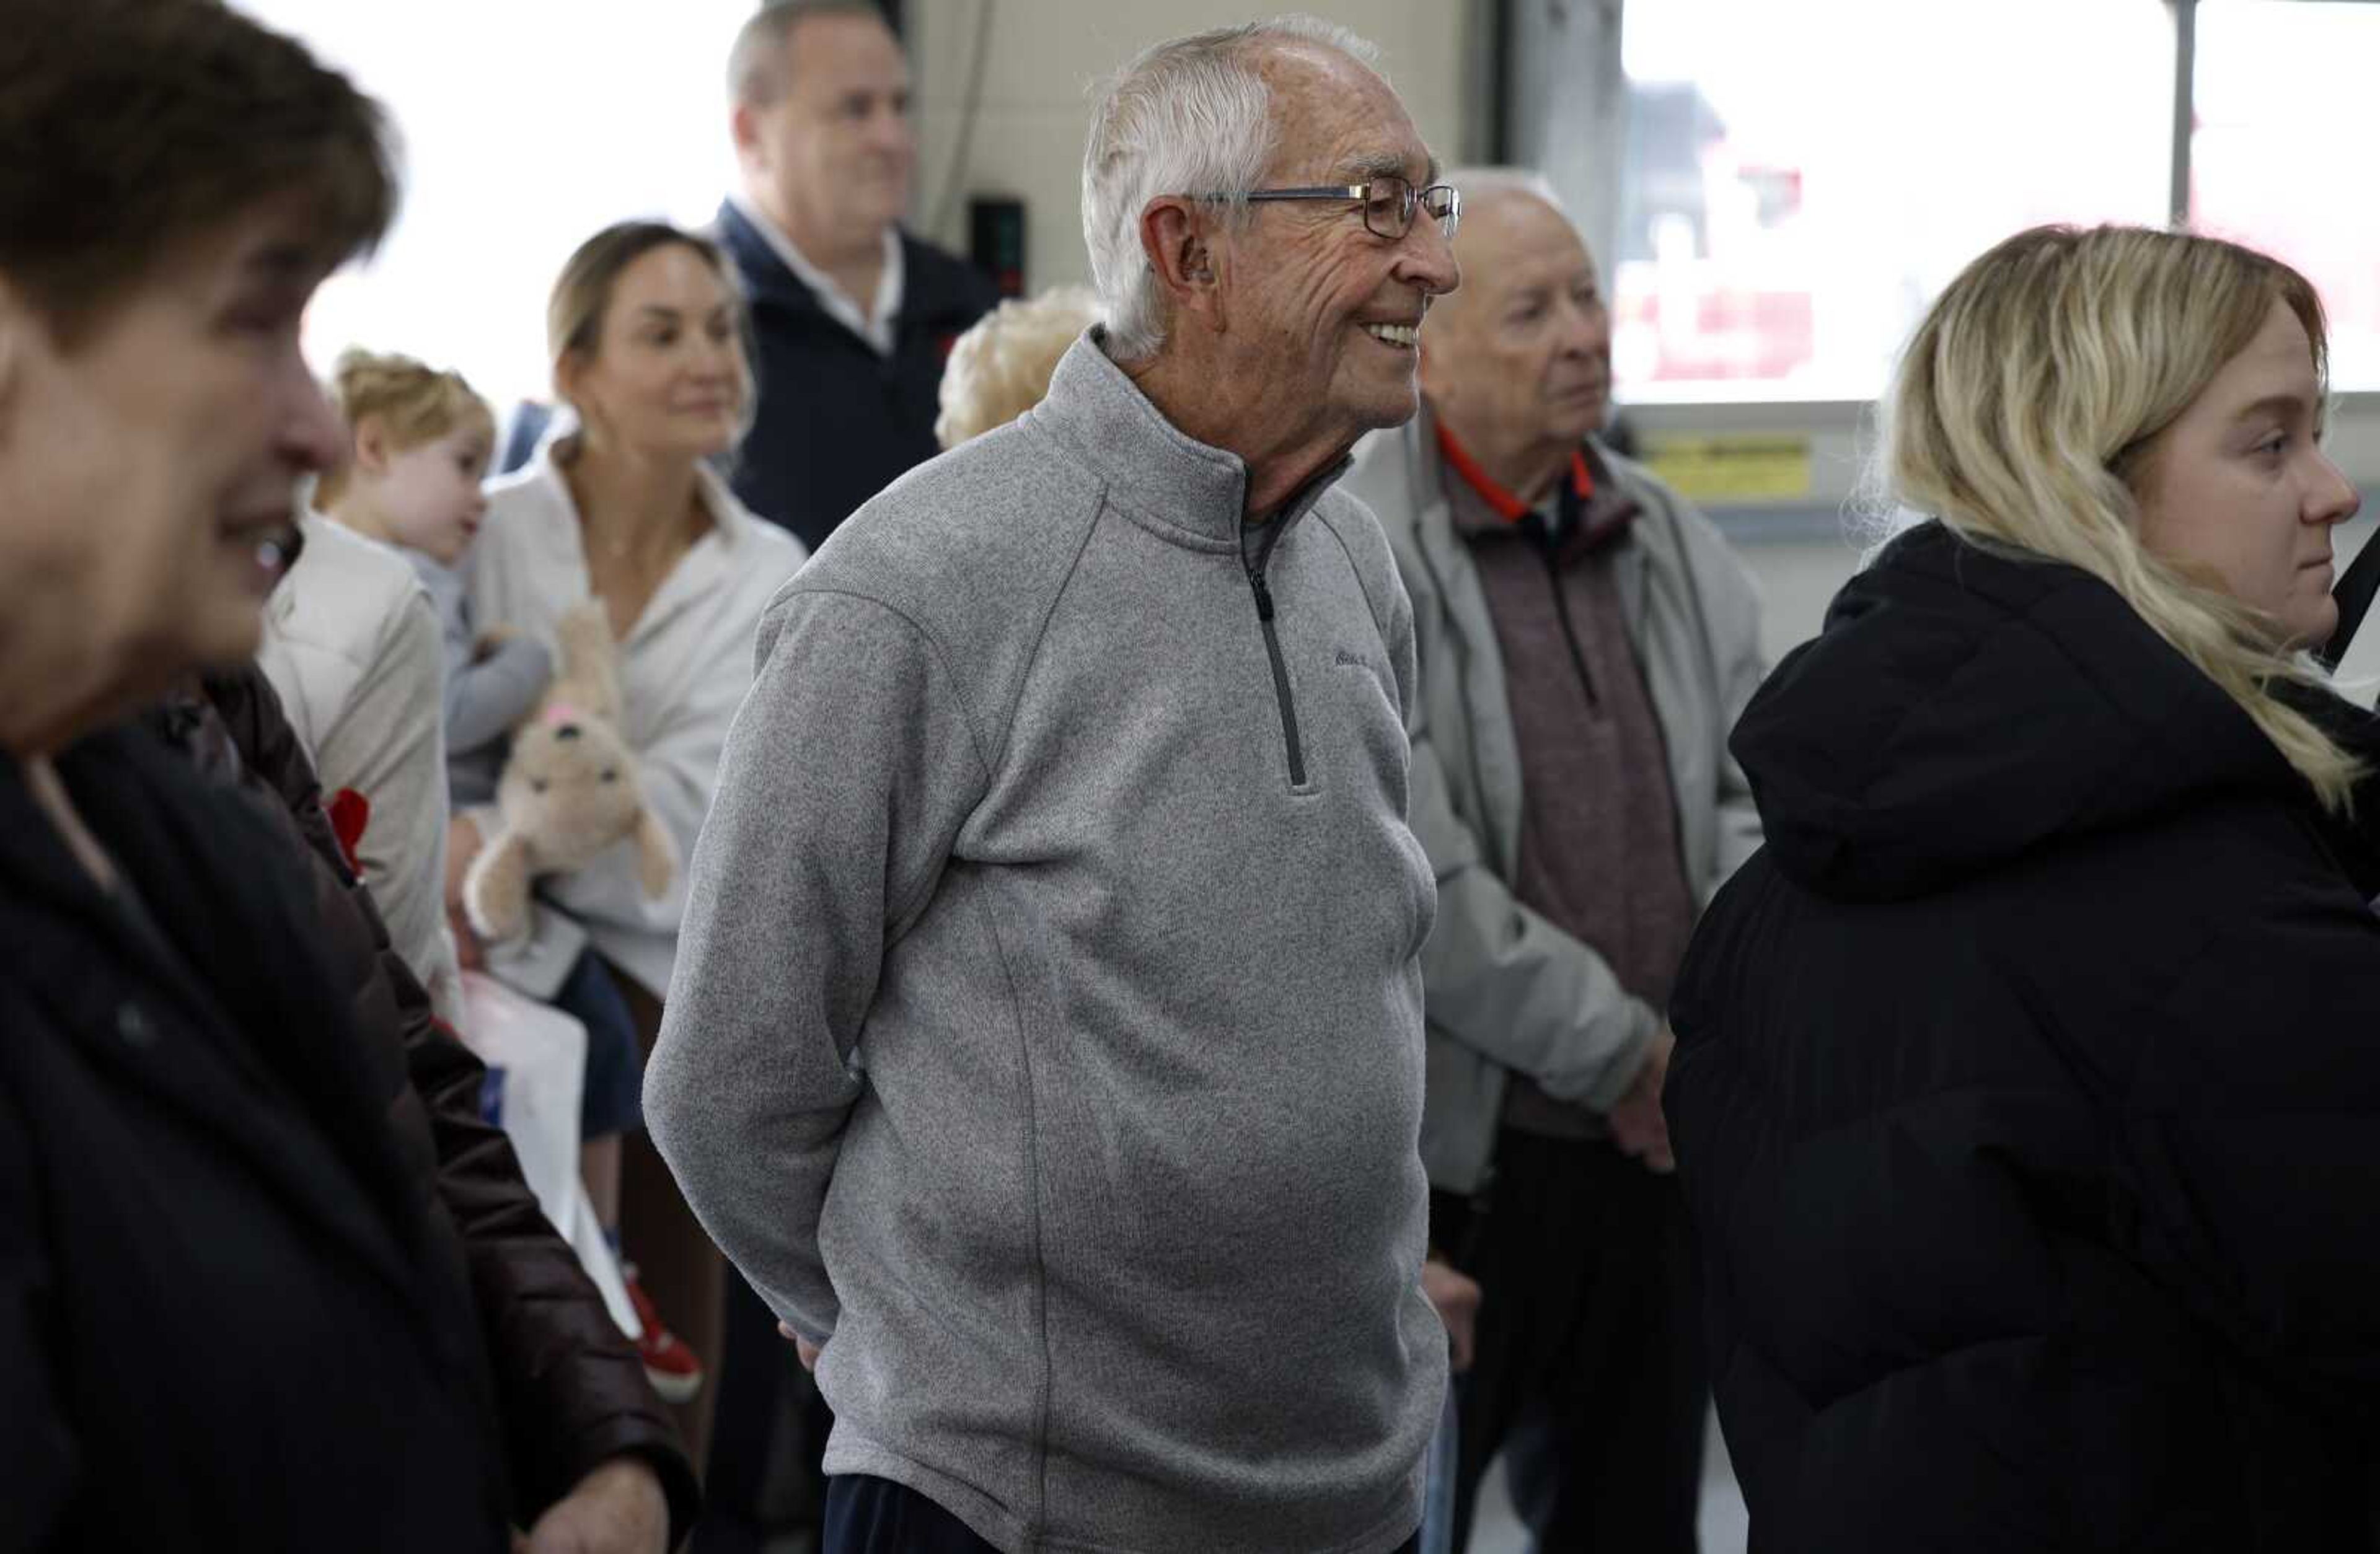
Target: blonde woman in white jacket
646, 333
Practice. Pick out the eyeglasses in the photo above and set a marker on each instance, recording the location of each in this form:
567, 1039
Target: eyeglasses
1388, 204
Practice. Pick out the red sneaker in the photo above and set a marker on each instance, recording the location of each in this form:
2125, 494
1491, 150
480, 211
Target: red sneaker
670, 1366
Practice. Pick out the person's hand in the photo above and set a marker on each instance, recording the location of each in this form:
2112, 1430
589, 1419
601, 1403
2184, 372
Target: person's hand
804, 1350
463, 844
1456, 1300
1637, 1125
468, 955
617, 1509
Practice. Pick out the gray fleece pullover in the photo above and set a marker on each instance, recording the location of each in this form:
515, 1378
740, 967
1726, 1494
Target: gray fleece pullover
1042, 1042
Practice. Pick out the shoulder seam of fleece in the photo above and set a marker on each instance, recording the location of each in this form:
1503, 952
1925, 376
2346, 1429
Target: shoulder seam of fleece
796, 588
1031, 1131
1363, 586
1041, 632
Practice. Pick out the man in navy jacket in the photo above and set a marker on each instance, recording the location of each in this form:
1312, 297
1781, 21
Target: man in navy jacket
851, 316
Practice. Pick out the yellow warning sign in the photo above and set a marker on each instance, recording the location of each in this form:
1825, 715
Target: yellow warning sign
1732, 466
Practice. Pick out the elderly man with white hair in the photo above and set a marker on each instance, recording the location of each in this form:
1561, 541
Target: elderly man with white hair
1586, 640
1046, 1041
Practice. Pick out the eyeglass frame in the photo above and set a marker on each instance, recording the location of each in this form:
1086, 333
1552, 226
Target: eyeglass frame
1361, 194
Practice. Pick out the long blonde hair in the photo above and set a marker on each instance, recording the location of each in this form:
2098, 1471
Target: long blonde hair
417, 402
2032, 389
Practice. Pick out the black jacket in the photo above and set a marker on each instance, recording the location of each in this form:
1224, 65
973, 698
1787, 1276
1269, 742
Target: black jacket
2027, 1098
835, 423
571, 1391
231, 1313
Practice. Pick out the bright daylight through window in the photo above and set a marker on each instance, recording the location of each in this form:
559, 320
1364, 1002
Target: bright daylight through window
526, 126
1802, 179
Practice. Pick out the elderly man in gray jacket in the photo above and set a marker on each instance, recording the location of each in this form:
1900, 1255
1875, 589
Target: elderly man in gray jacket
1585, 642
1045, 1044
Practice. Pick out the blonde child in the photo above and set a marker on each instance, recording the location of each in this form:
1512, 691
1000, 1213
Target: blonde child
420, 443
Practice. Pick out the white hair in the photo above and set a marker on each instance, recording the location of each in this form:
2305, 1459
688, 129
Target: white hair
1001, 368
1483, 184
1188, 117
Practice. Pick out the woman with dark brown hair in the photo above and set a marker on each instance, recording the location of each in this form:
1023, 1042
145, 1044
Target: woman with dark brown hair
260, 1286
227, 1317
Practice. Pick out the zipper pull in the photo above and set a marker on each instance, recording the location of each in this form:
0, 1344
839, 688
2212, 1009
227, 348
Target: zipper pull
1264, 596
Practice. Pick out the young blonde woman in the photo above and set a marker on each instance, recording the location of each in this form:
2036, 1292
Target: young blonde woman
2026, 1094
645, 331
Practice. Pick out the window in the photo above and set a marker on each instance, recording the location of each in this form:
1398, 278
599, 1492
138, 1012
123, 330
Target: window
1803, 179
527, 125
2277, 158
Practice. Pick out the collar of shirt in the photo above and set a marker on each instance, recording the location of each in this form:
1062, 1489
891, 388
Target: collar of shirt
875, 326
1592, 508
1502, 503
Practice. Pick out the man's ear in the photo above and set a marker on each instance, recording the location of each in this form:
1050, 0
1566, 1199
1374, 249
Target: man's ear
1178, 238
743, 128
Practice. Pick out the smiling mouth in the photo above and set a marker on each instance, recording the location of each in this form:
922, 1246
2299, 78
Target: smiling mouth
1407, 335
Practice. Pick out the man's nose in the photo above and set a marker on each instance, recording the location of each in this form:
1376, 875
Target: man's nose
1427, 257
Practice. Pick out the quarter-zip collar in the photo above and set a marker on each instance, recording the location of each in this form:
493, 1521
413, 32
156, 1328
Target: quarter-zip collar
1162, 478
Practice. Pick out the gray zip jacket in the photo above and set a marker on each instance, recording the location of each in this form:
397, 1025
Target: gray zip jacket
1046, 1029
1508, 990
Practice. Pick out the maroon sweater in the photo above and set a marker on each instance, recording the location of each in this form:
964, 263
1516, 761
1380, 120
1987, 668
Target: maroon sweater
1599, 854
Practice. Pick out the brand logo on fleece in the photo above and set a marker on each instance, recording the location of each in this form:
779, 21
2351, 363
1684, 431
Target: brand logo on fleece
1347, 658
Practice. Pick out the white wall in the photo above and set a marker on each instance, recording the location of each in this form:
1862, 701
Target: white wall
1043, 56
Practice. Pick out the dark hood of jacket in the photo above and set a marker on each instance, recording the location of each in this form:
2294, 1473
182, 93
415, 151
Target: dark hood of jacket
1962, 707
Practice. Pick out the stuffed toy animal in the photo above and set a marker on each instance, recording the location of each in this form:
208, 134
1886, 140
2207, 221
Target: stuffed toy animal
569, 790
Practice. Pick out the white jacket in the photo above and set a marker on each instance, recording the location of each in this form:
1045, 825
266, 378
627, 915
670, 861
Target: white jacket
684, 670
352, 647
